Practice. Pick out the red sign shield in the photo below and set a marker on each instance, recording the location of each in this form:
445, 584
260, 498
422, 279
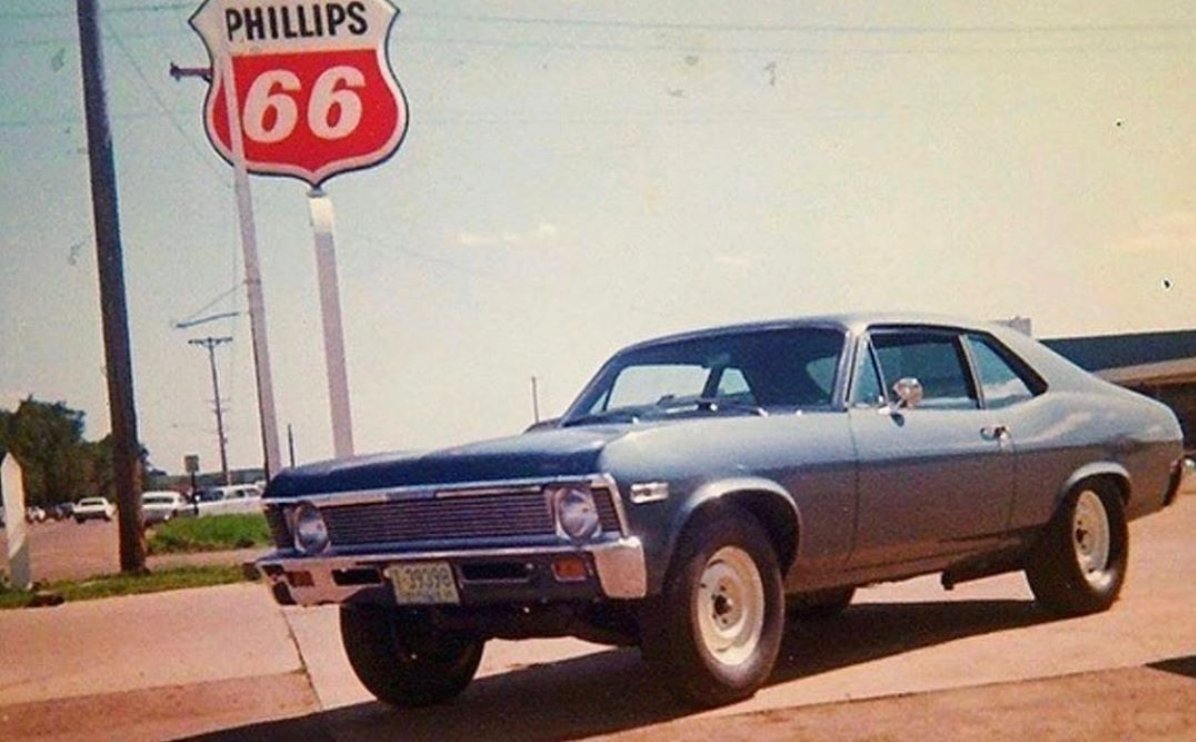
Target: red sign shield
313, 89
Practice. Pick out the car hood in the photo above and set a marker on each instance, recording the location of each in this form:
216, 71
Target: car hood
557, 452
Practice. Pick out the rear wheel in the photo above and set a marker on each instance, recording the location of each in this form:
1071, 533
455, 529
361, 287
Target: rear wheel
1078, 565
714, 634
402, 660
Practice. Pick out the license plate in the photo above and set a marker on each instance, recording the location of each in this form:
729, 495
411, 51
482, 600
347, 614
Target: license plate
425, 583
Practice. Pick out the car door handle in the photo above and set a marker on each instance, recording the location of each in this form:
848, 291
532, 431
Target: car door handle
997, 432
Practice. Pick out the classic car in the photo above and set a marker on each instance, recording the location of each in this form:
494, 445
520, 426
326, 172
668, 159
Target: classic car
93, 508
159, 506
704, 486
228, 500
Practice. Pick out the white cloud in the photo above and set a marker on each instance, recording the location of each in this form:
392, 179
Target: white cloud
542, 234
1172, 232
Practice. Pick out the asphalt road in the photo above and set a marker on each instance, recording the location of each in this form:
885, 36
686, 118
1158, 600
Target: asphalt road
66, 550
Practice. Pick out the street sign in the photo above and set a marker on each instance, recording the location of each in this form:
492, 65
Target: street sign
311, 82
191, 463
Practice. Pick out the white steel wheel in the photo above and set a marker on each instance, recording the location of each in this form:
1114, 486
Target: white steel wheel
1078, 564
713, 634
729, 606
1092, 539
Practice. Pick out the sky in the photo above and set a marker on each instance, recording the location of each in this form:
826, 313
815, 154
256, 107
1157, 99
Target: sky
580, 176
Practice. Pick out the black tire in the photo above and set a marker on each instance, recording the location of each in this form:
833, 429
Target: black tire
714, 633
820, 604
1078, 564
403, 661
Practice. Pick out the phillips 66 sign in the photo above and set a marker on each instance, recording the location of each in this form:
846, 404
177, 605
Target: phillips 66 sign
312, 87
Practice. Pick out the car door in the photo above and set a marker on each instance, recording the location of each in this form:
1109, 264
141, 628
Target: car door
935, 476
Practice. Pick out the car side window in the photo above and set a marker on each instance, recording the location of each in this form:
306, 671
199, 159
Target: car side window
1000, 380
935, 359
868, 389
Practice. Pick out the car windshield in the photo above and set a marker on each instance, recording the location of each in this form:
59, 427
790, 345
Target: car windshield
158, 500
750, 372
91, 501
213, 495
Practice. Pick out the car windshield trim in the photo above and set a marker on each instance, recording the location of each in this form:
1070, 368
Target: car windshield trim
761, 371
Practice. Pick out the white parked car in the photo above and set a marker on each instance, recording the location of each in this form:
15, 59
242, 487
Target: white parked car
233, 498
159, 506
97, 508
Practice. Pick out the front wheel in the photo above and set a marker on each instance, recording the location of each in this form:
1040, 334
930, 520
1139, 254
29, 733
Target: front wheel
1078, 565
714, 634
403, 661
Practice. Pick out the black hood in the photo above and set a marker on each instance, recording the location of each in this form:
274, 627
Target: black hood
545, 453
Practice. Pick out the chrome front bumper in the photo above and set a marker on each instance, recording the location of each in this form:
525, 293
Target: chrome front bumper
618, 572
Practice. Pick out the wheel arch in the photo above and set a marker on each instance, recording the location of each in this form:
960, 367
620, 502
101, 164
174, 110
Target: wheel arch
1108, 472
770, 503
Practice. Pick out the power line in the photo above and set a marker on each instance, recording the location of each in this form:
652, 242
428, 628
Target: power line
808, 28
113, 10
202, 154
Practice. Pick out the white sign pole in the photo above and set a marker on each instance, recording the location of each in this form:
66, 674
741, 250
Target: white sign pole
322, 222
12, 497
253, 278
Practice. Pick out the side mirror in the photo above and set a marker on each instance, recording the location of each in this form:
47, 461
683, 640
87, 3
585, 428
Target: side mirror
909, 392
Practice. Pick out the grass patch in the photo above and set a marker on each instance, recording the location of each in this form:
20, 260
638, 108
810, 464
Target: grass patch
110, 586
210, 533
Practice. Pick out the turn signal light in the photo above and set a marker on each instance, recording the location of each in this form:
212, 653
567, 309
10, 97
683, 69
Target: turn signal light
300, 579
570, 569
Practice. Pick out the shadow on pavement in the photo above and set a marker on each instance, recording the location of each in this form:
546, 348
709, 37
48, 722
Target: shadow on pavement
612, 691
1185, 666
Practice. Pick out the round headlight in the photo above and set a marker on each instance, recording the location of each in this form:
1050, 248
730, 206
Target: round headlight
577, 513
311, 532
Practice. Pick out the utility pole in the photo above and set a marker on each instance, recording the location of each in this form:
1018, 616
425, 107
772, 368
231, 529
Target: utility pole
271, 458
126, 453
210, 343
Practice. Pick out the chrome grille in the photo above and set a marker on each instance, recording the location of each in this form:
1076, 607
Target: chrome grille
478, 516
501, 514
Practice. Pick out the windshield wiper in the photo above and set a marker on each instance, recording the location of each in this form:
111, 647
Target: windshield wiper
621, 415
713, 404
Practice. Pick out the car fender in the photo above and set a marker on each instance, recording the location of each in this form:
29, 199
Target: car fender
766, 499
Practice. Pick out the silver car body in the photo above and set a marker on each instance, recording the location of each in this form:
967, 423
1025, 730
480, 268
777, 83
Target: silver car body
852, 491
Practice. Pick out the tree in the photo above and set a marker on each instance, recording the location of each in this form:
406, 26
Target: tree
58, 464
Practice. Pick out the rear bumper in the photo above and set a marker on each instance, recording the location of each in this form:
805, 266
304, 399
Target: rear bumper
613, 569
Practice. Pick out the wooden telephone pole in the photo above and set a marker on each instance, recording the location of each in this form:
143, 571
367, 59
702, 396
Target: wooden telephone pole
126, 455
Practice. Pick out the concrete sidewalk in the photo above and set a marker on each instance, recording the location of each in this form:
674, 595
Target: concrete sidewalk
170, 654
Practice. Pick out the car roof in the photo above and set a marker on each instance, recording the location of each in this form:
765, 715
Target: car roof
853, 322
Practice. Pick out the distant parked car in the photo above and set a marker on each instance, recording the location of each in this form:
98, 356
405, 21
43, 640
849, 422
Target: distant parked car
159, 506
234, 498
62, 510
94, 508
34, 514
